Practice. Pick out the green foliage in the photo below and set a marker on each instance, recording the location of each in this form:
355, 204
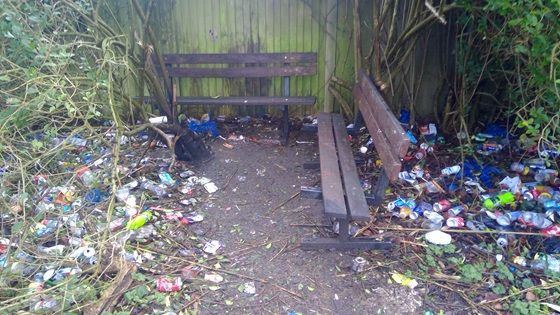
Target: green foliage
513, 46
471, 272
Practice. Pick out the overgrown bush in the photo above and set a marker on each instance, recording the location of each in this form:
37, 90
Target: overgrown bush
508, 56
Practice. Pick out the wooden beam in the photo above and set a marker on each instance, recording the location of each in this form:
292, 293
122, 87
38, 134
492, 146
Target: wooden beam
374, 106
330, 52
310, 57
241, 72
247, 101
331, 182
387, 152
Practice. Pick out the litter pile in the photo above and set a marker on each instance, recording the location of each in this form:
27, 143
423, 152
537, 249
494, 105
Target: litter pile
94, 214
494, 193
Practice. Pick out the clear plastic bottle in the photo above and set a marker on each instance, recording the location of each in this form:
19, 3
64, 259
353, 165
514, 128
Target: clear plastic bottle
546, 195
536, 220
86, 176
156, 189
545, 175
507, 219
521, 169
541, 262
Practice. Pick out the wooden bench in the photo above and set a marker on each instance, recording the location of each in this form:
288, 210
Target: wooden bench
342, 193
244, 66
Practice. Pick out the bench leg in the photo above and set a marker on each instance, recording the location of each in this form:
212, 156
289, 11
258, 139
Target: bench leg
379, 193
343, 242
286, 125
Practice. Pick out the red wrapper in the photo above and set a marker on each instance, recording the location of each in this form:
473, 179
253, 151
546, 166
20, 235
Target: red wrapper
167, 284
552, 230
173, 216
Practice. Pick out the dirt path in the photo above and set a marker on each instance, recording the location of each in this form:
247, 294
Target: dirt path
262, 245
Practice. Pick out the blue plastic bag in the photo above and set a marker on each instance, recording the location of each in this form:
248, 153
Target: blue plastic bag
205, 127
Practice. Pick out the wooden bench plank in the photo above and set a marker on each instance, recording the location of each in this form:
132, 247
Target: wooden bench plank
389, 158
331, 182
309, 57
249, 101
357, 205
388, 124
240, 72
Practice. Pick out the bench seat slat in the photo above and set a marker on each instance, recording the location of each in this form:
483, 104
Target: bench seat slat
331, 182
389, 158
357, 205
389, 124
309, 57
240, 72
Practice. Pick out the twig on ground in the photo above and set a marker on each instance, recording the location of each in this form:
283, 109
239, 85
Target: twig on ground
285, 202
279, 252
229, 178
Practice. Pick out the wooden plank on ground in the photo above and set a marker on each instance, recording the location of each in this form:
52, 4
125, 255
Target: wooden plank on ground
356, 201
247, 101
376, 107
331, 183
387, 153
309, 57
241, 72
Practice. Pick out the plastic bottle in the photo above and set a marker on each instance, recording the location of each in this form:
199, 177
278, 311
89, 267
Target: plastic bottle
545, 175
139, 221
546, 195
500, 199
455, 169
507, 219
156, 189
535, 162
551, 204
536, 220
86, 176
541, 262
521, 169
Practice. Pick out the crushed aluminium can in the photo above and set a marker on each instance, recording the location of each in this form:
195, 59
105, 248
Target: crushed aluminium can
442, 205
358, 264
455, 222
168, 284
456, 210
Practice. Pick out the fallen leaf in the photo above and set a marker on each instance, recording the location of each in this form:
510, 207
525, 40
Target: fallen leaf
530, 296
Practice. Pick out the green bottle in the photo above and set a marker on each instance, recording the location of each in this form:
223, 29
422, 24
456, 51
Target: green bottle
499, 200
139, 220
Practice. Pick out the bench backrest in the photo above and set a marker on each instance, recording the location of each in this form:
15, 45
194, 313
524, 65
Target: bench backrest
389, 138
240, 65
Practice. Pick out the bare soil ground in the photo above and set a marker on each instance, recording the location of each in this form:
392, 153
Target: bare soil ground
260, 218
